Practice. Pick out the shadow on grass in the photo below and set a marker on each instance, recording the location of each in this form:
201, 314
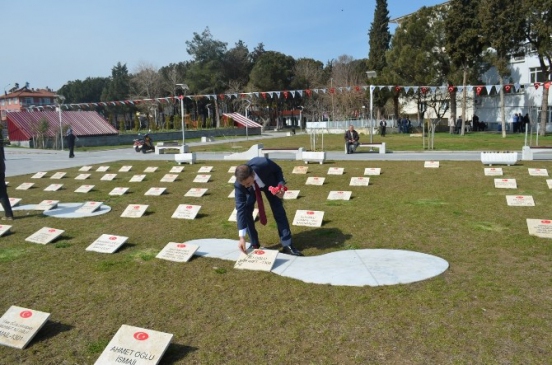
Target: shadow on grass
321, 238
176, 352
50, 329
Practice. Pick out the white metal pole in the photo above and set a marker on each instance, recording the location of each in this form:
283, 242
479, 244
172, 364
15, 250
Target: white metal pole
60, 127
183, 125
371, 113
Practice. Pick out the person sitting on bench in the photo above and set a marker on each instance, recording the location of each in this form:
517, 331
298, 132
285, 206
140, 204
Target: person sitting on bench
351, 139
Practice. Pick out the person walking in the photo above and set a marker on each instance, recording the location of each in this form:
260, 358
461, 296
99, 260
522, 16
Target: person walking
71, 142
261, 174
4, 199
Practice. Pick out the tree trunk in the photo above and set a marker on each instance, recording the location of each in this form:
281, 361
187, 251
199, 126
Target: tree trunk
544, 111
453, 110
502, 109
464, 81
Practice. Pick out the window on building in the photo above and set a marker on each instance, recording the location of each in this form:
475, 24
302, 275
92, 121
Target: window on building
29, 101
536, 75
46, 101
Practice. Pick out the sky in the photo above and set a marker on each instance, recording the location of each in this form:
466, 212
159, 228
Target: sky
49, 43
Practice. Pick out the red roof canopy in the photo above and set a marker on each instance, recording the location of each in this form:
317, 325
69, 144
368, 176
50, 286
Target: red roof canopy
243, 121
23, 125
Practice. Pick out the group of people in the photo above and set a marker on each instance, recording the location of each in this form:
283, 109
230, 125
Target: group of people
520, 123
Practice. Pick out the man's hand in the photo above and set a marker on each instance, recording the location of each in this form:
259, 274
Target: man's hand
241, 245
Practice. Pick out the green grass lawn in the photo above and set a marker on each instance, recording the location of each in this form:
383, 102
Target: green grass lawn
477, 141
492, 306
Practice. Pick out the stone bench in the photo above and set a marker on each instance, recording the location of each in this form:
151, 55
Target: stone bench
160, 147
181, 158
298, 152
527, 152
379, 146
309, 156
499, 158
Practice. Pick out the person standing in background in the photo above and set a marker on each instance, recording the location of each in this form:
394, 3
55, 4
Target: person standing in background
4, 199
71, 142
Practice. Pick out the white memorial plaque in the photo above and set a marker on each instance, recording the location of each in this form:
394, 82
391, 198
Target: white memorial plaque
13, 202
505, 183
520, 200
58, 175
24, 186
53, 187
177, 169
234, 215
196, 192
82, 176
155, 191
549, 183
134, 211
300, 170
84, 188
493, 171
186, 211
107, 243
19, 325
431, 164
372, 171
135, 346
257, 259
102, 169
232, 169
108, 177
291, 194
336, 171
232, 180
169, 178
205, 169
308, 218
232, 194
339, 195
360, 181
118, 191
47, 205
44, 235
85, 168
125, 168
202, 178
538, 172
177, 252
89, 207
540, 227
4, 228
137, 178
39, 175
315, 180
150, 169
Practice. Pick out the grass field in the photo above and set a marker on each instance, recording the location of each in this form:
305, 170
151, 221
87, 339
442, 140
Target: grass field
491, 307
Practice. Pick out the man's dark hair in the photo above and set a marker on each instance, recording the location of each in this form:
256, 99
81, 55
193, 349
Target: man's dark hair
243, 172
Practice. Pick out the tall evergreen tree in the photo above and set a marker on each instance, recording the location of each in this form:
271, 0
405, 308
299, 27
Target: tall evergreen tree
463, 45
502, 28
538, 29
379, 42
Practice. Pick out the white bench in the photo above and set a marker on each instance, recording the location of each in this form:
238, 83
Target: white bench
162, 146
379, 146
310, 156
298, 152
181, 158
527, 152
499, 158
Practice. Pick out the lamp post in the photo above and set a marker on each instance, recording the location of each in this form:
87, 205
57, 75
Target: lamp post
370, 75
61, 99
184, 87
246, 129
